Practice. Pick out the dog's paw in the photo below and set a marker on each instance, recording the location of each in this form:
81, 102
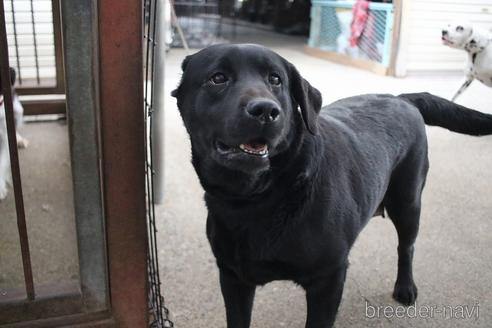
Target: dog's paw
22, 142
405, 293
3, 191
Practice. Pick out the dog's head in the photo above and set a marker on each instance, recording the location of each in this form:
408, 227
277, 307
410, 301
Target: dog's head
464, 36
244, 106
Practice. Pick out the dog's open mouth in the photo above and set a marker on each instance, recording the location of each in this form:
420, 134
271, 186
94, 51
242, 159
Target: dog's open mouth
258, 149
254, 148
446, 41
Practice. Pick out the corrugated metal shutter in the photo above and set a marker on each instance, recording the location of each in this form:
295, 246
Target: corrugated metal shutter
421, 48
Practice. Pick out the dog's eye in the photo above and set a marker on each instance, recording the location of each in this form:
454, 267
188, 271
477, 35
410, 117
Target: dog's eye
218, 78
459, 28
274, 79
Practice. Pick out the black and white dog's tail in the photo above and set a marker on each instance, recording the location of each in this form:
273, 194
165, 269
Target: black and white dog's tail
444, 113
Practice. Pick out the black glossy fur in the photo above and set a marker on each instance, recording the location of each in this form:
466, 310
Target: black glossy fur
295, 214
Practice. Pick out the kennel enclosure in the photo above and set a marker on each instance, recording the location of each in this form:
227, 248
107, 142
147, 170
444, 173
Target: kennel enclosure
107, 122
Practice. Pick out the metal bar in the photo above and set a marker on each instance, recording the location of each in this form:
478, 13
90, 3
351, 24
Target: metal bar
19, 73
123, 150
159, 101
41, 107
29, 34
14, 156
148, 100
28, 11
35, 43
52, 300
387, 38
149, 55
81, 46
59, 58
81, 320
30, 90
350, 3
155, 124
151, 209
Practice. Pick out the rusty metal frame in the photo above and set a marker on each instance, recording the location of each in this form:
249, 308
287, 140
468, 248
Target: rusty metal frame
123, 145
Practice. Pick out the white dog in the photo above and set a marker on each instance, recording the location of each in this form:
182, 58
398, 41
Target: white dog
5, 174
478, 44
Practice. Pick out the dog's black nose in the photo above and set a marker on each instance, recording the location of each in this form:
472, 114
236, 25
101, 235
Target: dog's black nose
264, 110
444, 32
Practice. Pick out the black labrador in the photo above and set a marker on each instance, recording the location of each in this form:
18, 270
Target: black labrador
289, 186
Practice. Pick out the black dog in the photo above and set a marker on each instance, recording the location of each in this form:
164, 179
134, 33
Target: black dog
289, 190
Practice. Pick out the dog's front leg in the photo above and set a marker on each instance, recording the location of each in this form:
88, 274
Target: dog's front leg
323, 298
465, 85
238, 299
4, 166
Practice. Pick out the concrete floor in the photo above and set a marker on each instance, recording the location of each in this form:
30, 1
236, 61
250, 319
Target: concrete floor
453, 259
48, 199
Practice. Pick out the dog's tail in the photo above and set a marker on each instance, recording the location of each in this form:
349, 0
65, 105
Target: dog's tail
444, 113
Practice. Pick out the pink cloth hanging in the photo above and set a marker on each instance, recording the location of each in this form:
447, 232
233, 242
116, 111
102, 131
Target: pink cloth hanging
360, 13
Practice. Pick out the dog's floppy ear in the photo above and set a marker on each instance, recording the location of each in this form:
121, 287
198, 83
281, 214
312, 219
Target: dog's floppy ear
185, 62
13, 76
307, 97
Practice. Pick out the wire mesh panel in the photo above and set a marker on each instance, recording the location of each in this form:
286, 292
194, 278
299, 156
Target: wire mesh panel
31, 41
331, 30
158, 312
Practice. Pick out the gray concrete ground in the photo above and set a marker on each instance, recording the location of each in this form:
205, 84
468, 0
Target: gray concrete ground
453, 259
48, 199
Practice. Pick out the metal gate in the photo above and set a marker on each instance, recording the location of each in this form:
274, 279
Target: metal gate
112, 168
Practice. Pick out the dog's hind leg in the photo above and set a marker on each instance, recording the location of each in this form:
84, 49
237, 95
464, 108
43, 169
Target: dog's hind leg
403, 202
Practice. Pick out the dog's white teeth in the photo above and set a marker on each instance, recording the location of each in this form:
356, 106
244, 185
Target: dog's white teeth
263, 150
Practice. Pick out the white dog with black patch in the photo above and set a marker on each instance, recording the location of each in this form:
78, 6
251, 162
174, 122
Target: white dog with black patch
5, 174
477, 43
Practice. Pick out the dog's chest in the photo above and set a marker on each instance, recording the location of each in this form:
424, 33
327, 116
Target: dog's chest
480, 66
260, 272
259, 257
255, 260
